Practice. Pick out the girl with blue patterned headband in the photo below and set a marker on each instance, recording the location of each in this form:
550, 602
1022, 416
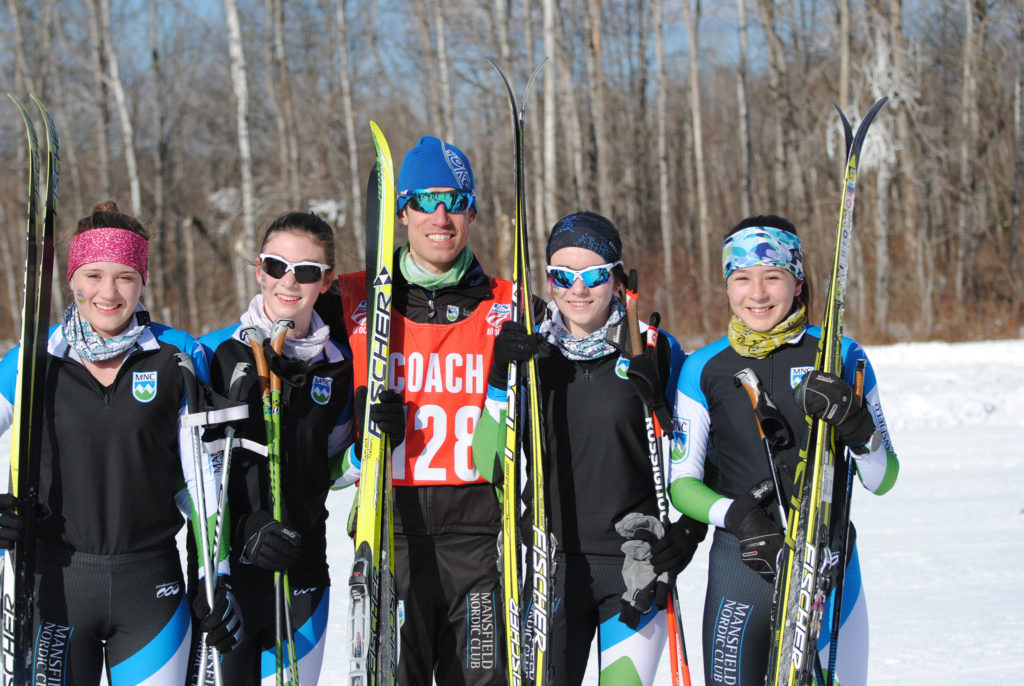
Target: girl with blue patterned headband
762, 263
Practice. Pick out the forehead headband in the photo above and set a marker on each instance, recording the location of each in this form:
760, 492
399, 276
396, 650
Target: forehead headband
758, 246
109, 245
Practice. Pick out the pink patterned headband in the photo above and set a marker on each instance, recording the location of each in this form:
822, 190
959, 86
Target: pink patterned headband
109, 245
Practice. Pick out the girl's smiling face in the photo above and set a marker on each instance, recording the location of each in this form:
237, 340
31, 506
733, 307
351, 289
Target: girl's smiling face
762, 296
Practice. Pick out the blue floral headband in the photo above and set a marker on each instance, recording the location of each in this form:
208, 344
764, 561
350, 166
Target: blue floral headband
758, 246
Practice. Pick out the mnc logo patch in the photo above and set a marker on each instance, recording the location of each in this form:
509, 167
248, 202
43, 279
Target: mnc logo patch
621, 365
144, 386
321, 390
797, 373
452, 312
681, 440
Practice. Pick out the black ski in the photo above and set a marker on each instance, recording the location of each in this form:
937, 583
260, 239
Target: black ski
26, 429
520, 407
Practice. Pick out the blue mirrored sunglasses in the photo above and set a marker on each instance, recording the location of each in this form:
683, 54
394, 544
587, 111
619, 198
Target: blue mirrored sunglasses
453, 200
563, 277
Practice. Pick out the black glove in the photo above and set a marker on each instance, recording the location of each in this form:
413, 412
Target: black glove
512, 344
830, 398
643, 372
223, 624
673, 551
761, 539
388, 413
11, 523
267, 543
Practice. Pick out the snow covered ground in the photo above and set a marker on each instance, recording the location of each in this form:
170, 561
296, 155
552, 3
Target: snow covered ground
942, 553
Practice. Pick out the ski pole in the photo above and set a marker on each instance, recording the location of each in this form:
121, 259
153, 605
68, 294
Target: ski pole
235, 394
191, 383
655, 432
843, 529
765, 414
281, 580
256, 340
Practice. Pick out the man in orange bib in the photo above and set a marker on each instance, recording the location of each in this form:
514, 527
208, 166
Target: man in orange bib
445, 313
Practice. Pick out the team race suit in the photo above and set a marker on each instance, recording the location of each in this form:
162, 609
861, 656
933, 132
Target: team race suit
114, 463
716, 439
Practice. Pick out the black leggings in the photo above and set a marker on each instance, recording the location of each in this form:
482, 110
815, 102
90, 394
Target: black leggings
131, 607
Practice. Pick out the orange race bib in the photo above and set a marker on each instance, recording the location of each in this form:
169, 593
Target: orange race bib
441, 371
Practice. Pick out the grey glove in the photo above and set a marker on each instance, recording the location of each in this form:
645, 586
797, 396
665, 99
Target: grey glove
643, 586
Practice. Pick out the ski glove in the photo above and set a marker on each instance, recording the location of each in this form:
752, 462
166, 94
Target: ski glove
512, 344
673, 551
268, 543
388, 413
223, 624
761, 539
644, 587
11, 523
828, 397
643, 372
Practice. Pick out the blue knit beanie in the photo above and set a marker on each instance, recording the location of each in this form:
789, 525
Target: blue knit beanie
433, 163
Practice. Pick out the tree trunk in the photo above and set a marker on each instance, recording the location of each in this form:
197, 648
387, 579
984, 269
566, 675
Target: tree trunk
245, 245
551, 184
746, 150
100, 101
844, 53
14, 262
355, 213
595, 78
443, 71
188, 228
1018, 157
776, 86
668, 247
966, 221
535, 133
157, 254
278, 87
121, 100
573, 127
692, 18
433, 104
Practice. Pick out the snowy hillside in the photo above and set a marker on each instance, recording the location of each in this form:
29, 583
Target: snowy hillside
942, 553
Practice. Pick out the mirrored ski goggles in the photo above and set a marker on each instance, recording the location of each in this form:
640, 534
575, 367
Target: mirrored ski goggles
305, 272
427, 201
563, 277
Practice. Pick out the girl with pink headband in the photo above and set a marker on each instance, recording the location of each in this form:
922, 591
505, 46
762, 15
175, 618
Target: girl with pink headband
719, 472
114, 478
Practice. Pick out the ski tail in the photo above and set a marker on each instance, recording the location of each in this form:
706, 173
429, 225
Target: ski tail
842, 542
801, 585
373, 649
655, 436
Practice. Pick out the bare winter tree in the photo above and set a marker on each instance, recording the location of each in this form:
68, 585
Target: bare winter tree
692, 18
661, 115
743, 115
245, 242
595, 79
355, 184
121, 100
